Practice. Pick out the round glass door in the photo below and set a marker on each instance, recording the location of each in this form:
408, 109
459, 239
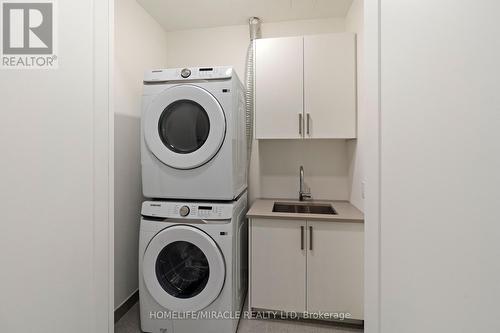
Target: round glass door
183, 268
184, 126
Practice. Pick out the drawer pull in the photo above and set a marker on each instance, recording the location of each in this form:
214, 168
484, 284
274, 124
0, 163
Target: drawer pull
310, 238
302, 237
301, 124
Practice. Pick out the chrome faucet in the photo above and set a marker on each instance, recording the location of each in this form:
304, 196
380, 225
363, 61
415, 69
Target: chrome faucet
303, 195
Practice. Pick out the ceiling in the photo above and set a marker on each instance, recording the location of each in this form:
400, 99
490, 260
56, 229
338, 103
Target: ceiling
192, 14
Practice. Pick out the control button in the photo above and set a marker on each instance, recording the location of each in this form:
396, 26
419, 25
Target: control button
184, 211
186, 72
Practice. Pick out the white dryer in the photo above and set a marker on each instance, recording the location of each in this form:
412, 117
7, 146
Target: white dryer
193, 134
192, 266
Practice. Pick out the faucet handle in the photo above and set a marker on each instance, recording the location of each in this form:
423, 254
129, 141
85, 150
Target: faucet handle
305, 196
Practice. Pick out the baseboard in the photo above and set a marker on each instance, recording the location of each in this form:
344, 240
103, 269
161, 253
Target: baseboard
126, 306
278, 315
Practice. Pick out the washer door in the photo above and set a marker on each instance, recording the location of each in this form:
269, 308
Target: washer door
183, 269
185, 127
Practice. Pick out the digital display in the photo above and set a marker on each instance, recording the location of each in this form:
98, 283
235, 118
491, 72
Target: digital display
204, 208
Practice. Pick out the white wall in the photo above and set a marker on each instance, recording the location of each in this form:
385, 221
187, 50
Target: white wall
228, 45
140, 44
440, 180
325, 163
357, 148
371, 103
55, 182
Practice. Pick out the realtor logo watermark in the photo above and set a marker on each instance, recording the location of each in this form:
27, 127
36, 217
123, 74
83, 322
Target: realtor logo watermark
29, 38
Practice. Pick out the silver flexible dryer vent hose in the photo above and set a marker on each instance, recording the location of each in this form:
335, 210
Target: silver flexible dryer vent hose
255, 33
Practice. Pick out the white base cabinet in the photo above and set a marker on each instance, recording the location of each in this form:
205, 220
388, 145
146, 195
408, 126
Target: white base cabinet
335, 268
278, 264
298, 265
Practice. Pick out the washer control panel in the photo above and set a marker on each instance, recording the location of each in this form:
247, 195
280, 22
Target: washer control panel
187, 210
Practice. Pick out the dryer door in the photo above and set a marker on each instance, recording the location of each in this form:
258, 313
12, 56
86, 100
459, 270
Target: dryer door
184, 127
183, 269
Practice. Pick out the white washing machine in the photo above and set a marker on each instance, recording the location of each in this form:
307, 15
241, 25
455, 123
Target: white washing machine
192, 266
193, 134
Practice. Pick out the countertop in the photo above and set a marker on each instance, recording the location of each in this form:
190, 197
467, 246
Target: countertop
346, 212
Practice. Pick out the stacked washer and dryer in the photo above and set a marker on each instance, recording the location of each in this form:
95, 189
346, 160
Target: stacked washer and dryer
193, 233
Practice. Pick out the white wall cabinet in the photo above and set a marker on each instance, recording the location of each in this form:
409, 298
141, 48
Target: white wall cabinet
279, 88
306, 87
299, 265
330, 86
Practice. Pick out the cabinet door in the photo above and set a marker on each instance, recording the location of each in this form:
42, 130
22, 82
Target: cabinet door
335, 268
279, 88
330, 86
278, 265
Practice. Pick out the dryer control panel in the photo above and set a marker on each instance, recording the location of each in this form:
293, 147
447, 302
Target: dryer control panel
187, 210
188, 73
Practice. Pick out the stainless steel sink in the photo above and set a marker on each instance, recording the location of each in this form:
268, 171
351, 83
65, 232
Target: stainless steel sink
303, 208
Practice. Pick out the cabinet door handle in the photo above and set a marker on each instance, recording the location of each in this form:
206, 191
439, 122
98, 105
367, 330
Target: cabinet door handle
301, 124
302, 237
308, 124
310, 238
